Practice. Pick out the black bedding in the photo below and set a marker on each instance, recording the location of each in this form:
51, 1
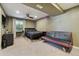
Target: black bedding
32, 33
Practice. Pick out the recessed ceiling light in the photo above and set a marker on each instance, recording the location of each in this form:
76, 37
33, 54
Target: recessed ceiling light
39, 6
17, 12
35, 16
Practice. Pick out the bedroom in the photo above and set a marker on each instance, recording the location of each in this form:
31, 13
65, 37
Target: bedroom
38, 19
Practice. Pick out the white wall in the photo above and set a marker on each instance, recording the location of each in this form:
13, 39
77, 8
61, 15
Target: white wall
14, 27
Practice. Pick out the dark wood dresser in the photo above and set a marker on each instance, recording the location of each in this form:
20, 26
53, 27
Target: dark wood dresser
7, 40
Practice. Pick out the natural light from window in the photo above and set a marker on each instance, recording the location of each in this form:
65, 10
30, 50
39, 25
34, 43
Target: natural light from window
19, 25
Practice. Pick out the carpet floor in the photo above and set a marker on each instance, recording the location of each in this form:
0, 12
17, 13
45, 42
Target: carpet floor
25, 47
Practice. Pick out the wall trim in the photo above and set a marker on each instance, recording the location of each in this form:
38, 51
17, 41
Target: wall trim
75, 47
58, 7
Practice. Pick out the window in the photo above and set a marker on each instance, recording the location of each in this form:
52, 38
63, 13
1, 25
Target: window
19, 25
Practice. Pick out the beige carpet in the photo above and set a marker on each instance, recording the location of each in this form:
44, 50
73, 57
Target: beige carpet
25, 47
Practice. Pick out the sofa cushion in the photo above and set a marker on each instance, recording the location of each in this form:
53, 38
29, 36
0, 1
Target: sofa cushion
50, 34
62, 35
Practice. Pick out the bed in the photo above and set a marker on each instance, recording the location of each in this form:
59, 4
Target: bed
33, 34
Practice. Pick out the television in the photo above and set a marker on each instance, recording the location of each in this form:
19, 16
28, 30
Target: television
3, 20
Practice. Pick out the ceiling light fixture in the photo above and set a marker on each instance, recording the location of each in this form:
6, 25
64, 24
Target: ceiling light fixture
39, 6
17, 12
35, 16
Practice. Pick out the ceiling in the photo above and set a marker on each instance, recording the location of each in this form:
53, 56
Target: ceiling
48, 8
36, 10
66, 6
20, 11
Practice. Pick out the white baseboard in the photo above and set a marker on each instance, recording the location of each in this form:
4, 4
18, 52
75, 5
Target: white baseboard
75, 47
